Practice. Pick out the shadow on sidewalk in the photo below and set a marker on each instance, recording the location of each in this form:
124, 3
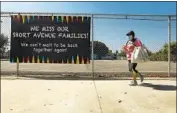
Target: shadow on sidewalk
160, 87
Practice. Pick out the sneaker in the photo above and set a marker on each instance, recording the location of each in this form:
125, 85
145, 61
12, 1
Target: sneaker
141, 78
133, 83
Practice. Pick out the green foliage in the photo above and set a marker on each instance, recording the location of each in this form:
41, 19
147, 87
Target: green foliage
114, 56
122, 54
117, 52
110, 53
3, 43
162, 54
100, 49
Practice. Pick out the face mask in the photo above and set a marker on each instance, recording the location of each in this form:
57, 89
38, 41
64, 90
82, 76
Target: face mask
130, 37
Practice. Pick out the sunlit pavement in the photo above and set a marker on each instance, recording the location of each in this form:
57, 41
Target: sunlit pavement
69, 96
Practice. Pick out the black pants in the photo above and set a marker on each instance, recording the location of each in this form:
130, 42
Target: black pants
132, 66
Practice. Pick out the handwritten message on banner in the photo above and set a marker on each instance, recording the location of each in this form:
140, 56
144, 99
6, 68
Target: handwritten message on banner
50, 39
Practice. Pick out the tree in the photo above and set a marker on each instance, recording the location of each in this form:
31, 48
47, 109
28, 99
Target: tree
110, 53
162, 54
114, 56
3, 43
117, 52
174, 54
122, 54
100, 49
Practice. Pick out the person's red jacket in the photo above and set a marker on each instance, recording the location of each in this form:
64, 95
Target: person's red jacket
129, 48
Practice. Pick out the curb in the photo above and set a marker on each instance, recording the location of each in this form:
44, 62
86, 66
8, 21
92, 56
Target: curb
85, 74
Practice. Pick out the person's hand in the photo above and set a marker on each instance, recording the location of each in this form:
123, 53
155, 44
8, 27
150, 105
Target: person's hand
130, 49
123, 47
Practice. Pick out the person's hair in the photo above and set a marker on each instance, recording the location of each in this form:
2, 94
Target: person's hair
131, 33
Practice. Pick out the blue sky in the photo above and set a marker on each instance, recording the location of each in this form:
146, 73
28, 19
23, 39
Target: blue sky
112, 32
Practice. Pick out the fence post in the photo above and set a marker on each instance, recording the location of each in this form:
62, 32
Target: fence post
17, 67
169, 43
92, 54
0, 51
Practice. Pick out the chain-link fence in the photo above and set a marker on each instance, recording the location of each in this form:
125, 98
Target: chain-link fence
108, 35
151, 30
173, 48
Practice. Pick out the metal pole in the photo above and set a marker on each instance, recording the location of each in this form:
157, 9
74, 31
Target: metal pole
0, 51
169, 48
81, 14
92, 46
17, 67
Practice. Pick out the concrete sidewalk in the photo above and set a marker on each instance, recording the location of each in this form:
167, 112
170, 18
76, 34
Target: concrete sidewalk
76, 96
